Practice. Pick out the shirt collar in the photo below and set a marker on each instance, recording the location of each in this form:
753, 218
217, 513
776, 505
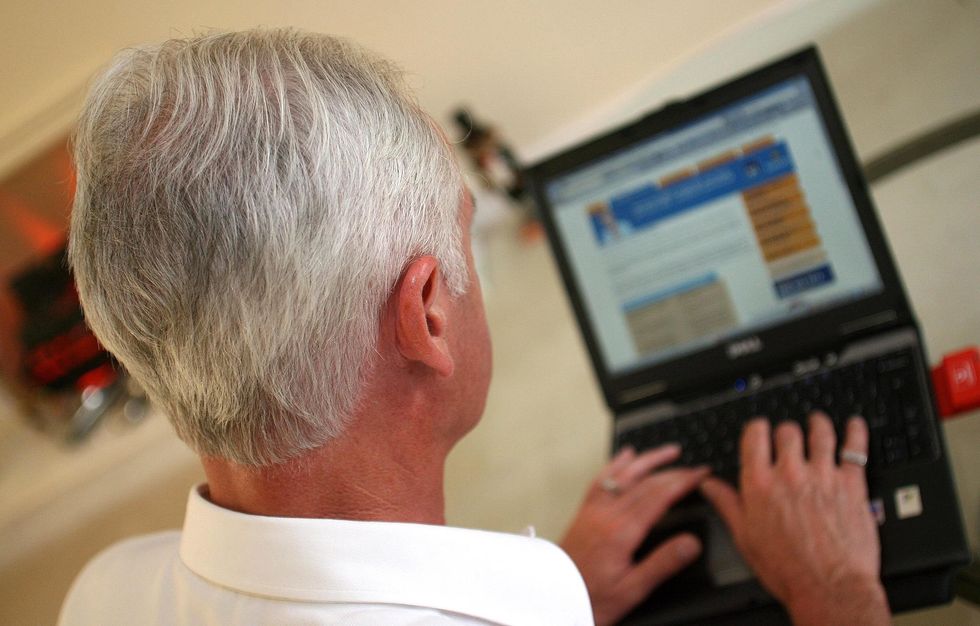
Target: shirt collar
501, 578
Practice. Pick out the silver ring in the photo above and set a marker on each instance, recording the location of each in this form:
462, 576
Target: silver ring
851, 456
611, 486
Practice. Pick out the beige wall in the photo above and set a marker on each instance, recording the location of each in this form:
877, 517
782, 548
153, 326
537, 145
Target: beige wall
527, 65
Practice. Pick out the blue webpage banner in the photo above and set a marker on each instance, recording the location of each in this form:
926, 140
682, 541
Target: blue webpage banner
809, 279
651, 204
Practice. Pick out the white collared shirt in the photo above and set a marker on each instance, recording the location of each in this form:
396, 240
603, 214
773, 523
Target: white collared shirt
230, 568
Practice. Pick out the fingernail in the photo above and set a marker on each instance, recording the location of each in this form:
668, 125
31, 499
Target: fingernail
687, 548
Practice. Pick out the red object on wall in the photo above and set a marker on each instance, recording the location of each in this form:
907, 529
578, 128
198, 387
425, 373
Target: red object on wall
957, 382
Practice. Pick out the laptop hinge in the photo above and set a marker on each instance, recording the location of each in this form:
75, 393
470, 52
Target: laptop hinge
871, 321
643, 391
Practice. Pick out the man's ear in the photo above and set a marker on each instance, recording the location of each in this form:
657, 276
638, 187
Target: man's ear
421, 307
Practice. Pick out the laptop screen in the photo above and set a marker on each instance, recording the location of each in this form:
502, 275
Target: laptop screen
730, 224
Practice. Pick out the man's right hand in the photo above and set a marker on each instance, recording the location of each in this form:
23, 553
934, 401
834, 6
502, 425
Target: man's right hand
804, 524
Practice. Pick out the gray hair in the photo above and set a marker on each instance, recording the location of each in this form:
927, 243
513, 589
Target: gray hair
245, 204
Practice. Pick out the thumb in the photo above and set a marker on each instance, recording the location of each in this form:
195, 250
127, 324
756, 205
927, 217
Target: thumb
725, 500
665, 561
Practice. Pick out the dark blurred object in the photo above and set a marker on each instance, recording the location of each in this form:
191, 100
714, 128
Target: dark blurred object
61, 356
491, 156
59, 351
64, 382
35, 201
499, 169
923, 146
968, 583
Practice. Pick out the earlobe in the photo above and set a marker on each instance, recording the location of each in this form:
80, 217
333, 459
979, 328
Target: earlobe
420, 316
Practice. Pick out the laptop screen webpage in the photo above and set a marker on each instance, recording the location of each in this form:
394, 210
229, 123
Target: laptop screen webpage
736, 222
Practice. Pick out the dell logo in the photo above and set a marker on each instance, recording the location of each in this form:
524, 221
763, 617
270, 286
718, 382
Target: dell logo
744, 347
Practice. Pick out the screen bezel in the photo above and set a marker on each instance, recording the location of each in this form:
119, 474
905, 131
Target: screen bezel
681, 374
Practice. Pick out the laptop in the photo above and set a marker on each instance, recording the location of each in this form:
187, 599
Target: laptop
724, 260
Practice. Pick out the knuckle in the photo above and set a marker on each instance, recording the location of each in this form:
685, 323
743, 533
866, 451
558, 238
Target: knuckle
632, 528
795, 476
827, 478
754, 482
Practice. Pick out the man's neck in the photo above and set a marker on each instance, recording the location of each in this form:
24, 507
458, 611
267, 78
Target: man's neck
386, 465
353, 477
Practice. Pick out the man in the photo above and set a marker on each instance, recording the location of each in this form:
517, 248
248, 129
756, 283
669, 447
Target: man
274, 240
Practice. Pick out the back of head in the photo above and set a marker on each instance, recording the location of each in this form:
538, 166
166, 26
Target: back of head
245, 203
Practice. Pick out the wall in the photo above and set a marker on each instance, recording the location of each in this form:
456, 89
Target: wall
529, 66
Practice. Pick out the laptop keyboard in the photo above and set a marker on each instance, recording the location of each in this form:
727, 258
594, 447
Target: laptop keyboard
884, 390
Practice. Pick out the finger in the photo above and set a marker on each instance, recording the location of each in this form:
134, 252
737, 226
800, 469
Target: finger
756, 449
822, 440
653, 496
646, 463
725, 500
621, 460
856, 440
617, 463
789, 445
665, 561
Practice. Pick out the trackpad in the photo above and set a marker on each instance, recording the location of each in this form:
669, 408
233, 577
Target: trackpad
725, 564
719, 565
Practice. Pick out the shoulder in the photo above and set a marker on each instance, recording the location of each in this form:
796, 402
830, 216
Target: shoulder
127, 556
118, 577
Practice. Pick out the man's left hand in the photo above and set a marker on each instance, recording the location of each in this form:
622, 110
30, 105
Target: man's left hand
621, 507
